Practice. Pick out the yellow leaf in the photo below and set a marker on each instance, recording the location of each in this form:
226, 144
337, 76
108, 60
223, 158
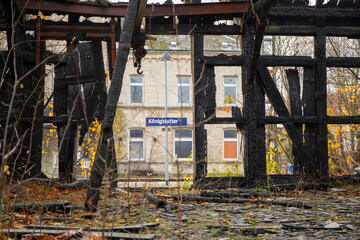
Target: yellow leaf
21, 85
6, 168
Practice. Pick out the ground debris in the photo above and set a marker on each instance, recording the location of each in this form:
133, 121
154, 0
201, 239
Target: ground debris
78, 234
244, 201
131, 228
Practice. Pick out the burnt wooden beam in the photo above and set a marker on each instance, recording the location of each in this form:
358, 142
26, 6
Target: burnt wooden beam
343, 119
298, 61
343, 62
287, 61
321, 160
311, 12
238, 60
119, 10
187, 28
210, 93
294, 91
254, 107
298, 30
200, 165
309, 109
296, 110
279, 120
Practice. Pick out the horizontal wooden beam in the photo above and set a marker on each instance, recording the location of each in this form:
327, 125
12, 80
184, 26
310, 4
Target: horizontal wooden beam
312, 12
343, 62
238, 60
266, 120
343, 120
298, 61
298, 30
119, 10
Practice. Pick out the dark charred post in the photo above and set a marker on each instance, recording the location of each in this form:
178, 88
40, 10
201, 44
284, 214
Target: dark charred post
103, 152
60, 109
200, 166
321, 160
309, 109
295, 108
38, 82
254, 150
210, 93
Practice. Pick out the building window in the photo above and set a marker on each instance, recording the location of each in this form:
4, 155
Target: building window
230, 144
230, 90
136, 89
183, 90
183, 144
136, 145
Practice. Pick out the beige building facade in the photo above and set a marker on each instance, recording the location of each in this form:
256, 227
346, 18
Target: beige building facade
141, 149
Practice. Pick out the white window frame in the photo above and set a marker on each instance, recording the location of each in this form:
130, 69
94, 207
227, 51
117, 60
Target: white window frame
231, 140
137, 84
234, 85
136, 140
183, 85
181, 138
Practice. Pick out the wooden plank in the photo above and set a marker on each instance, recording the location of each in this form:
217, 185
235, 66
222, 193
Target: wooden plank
321, 160
310, 12
297, 61
130, 228
187, 28
236, 60
343, 119
199, 83
19, 232
296, 110
297, 30
277, 120
343, 62
309, 109
210, 93
254, 150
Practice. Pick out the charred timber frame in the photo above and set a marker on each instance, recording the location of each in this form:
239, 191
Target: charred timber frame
300, 21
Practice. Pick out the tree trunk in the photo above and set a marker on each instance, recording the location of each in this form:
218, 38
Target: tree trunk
104, 151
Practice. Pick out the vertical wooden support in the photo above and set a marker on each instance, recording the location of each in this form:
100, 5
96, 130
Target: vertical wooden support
254, 102
38, 105
309, 109
210, 93
199, 81
60, 109
113, 44
295, 107
321, 161
38, 40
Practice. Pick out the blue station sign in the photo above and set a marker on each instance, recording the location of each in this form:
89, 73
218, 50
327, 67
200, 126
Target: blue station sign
166, 121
